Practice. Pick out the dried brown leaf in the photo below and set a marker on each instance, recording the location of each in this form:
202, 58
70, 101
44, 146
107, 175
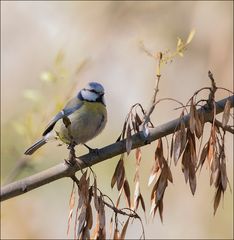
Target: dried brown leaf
86, 192
162, 184
138, 156
169, 174
192, 178
134, 126
211, 150
83, 190
95, 232
81, 219
102, 234
198, 125
215, 163
192, 147
152, 176
160, 208
192, 120
185, 163
127, 192
85, 233
218, 178
137, 175
123, 233
202, 117
116, 234
76, 222
83, 179
142, 202
159, 153
71, 207
116, 173
120, 178
101, 214
129, 140
177, 146
224, 178
153, 192
96, 202
89, 217
136, 204
183, 136
136, 195
212, 177
138, 119
118, 199
217, 199
203, 155
153, 209
155, 168
226, 113
172, 146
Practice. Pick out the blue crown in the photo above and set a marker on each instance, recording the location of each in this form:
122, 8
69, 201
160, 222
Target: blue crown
95, 86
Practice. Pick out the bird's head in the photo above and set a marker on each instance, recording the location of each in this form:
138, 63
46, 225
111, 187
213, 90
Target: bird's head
93, 92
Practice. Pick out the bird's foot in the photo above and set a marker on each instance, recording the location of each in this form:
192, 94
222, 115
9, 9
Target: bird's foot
71, 145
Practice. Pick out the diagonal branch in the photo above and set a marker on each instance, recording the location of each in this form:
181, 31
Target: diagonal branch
65, 170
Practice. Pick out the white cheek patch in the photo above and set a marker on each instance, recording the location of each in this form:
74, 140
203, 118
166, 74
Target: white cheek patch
103, 100
89, 96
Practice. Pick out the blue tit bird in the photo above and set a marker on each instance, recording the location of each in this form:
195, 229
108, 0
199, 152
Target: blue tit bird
82, 119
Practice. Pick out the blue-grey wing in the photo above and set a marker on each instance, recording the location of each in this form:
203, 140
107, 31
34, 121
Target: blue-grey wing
71, 107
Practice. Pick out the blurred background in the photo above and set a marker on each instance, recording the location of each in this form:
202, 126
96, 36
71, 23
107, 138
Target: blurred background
49, 50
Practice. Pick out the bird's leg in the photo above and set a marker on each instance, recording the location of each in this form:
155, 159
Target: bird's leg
72, 160
72, 155
92, 150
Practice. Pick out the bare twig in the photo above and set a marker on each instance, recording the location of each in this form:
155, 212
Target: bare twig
227, 128
65, 170
153, 100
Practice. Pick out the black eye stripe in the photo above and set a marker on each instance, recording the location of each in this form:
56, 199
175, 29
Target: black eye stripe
92, 90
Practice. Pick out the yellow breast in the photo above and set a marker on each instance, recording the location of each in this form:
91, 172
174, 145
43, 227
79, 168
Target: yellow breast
86, 123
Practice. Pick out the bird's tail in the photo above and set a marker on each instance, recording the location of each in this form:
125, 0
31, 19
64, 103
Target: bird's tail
36, 146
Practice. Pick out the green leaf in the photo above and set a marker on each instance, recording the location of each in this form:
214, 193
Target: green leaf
179, 42
181, 54
190, 36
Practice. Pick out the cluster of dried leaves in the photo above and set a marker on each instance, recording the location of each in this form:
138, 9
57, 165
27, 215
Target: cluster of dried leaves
84, 212
162, 172
132, 125
187, 137
88, 196
184, 143
214, 153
